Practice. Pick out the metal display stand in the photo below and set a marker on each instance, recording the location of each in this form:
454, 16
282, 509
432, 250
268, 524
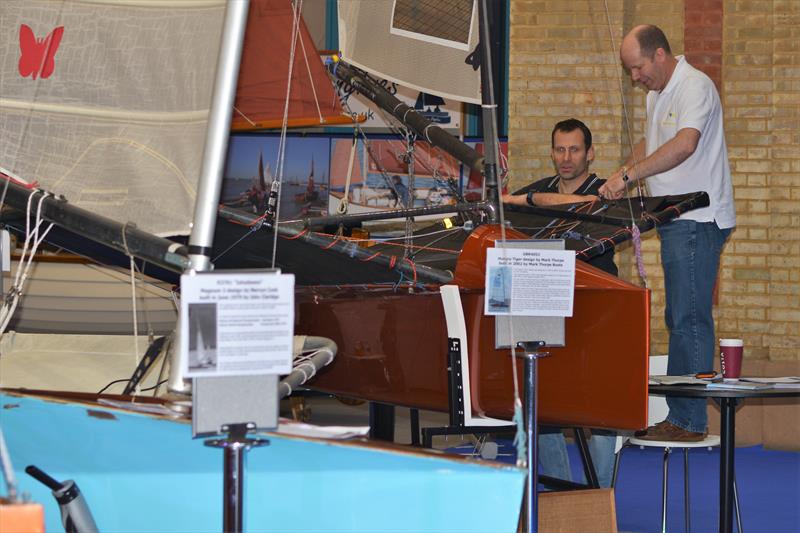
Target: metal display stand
235, 446
531, 499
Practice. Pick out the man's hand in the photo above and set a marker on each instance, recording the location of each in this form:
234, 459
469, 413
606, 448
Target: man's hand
614, 187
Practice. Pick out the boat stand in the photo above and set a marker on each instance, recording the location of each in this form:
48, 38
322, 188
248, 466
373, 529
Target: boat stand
235, 446
461, 421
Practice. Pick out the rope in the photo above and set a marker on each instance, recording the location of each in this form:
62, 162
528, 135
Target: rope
345, 198
311, 79
282, 144
637, 240
132, 269
32, 242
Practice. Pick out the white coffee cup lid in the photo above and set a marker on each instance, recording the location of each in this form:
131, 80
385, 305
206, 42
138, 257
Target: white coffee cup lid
731, 342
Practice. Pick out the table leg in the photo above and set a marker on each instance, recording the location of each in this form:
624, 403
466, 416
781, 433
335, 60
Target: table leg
726, 466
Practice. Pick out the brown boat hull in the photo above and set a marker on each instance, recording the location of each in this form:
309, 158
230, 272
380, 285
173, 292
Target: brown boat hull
392, 348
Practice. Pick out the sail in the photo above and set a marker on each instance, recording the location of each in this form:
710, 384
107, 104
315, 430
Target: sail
107, 102
421, 44
262, 84
340, 165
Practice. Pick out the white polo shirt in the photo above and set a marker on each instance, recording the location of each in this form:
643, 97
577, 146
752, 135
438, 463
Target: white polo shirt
690, 100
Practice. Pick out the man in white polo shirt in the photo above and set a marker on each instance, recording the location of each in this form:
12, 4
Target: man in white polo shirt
683, 151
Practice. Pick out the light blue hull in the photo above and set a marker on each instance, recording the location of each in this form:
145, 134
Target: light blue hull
141, 473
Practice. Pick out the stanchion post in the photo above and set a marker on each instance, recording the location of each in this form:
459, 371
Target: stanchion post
235, 447
530, 353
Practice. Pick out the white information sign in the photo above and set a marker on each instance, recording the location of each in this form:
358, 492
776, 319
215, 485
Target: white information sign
529, 282
236, 323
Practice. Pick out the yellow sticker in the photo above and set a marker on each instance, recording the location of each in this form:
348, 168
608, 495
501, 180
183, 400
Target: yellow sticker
447, 223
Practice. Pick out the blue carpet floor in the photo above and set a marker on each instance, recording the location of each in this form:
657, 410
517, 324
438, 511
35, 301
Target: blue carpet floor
768, 481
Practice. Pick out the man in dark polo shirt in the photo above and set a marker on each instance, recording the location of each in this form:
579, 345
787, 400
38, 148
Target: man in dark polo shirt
572, 153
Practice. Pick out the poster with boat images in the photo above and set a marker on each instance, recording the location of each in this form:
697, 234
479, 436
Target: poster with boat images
253, 162
324, 174
375, 177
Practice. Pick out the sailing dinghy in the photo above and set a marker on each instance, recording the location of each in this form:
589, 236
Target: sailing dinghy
382, 301
110, 117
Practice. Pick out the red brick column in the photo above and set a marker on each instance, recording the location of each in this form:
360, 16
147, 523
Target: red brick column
702, 34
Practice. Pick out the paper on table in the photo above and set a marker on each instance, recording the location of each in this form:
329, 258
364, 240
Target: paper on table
678, 380
740, 385
780, 379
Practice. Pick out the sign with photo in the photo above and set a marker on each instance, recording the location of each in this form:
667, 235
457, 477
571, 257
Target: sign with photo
236, 323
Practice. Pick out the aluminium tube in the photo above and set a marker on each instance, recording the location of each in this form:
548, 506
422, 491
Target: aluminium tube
325, 352
217, 134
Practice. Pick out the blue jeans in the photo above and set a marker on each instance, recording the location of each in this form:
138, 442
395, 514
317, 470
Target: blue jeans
554, 459
690, 254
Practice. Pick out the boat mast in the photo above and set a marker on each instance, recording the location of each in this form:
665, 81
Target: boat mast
216, 146
489, 113
214, 152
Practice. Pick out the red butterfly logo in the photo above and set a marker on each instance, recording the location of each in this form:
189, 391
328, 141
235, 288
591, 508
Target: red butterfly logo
37, 56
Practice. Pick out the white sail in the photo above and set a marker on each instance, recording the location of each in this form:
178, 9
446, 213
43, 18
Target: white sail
420, 44
106, 102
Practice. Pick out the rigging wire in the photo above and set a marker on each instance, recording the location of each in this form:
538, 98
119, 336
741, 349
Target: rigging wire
296, 8
32, 242
637, 240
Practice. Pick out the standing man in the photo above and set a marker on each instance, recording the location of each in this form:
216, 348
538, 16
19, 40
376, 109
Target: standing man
572, 153
683, 151
399, 192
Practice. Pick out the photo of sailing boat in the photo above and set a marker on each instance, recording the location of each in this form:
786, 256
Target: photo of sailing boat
251, 168
380, 180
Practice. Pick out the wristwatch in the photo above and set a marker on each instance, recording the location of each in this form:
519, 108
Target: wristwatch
529, 198
625, 177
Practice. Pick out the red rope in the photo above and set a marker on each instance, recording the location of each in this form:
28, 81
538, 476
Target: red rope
305, 230
413, 268
370, 258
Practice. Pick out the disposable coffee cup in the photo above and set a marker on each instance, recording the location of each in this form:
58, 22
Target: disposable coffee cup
730, 357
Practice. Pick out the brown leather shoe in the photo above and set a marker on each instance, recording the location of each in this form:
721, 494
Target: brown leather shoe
670, 432
656, 427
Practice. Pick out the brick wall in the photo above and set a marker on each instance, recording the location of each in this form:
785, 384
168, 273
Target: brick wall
562, 64
761, 95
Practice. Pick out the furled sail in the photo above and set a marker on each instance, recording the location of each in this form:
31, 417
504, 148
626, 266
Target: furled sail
106, 102
421, 44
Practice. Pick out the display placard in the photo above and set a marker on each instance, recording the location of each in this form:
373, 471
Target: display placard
236, 323
529, 282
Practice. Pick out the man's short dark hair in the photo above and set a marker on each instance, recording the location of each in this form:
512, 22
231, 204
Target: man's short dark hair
572, 124
650, 39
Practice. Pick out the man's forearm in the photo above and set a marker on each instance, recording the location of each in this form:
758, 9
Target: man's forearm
547, 198
668, 156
